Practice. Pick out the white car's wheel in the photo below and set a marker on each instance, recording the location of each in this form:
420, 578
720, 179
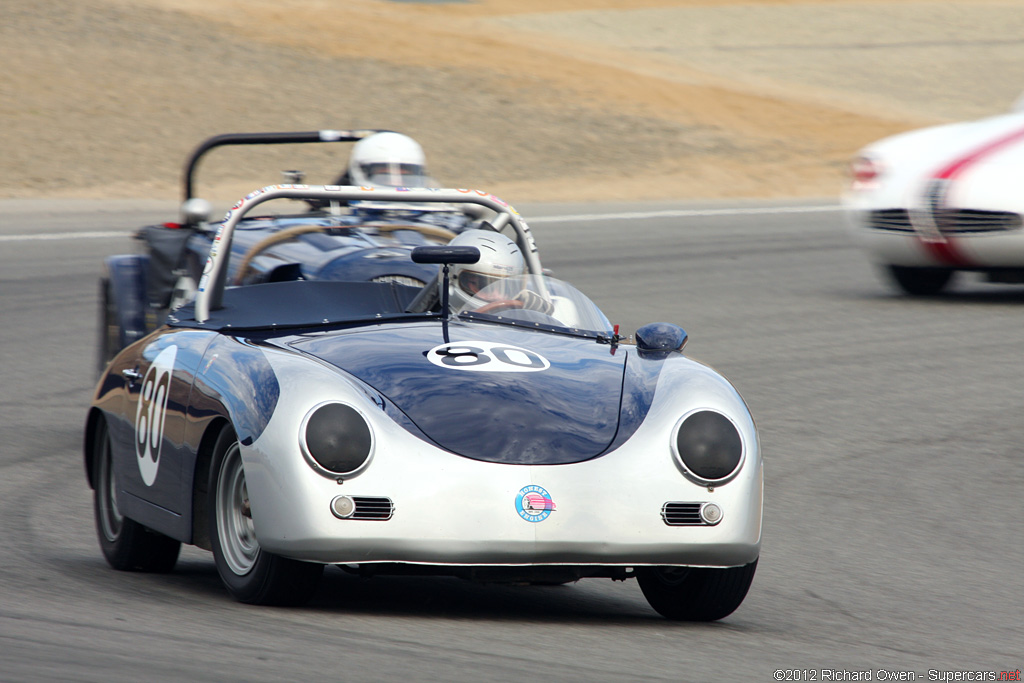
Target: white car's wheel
250, 574
126, 544
695, 593
920, 281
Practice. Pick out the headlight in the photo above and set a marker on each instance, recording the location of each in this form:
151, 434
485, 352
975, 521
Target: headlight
336, 439
708, 446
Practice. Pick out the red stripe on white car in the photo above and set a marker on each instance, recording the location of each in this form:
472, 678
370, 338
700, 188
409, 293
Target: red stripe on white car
945, 249
952, 170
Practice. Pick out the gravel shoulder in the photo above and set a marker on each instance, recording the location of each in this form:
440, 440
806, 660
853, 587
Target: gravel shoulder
563, 100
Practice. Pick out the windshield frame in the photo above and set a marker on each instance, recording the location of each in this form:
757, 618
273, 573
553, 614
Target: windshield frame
213, 280
563, 297
499, 319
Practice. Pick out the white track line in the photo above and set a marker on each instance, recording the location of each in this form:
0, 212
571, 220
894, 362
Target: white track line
44, 236
682, 213
633, 215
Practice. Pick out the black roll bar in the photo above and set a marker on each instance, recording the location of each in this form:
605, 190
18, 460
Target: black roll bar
268, 139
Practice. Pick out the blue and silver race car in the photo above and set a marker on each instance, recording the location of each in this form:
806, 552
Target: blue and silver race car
288, 425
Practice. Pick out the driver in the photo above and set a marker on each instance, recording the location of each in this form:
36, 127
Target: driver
475, 285
387, 160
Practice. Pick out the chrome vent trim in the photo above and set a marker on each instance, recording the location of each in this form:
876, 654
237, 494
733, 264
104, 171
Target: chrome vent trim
890, 220
948, 221
682, 514
968, 221
373, 508
399, 279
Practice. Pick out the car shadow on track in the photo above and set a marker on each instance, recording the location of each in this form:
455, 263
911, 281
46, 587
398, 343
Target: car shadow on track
994, 295
583, 601
195, 585
587, 601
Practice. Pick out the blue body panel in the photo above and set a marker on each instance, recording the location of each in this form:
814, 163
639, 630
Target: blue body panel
567, 412
235, 377
148, 432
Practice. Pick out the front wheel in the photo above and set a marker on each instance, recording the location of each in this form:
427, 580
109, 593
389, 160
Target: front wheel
920, 281
127, 545
249, 573
695, 593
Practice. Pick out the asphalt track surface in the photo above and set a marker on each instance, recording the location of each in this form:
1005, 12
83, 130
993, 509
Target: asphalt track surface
891, 430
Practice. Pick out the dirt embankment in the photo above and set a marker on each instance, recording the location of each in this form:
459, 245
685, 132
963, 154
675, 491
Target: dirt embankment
533, 100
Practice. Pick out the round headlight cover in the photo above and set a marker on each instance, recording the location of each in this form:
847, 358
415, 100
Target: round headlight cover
337, 439
708, 446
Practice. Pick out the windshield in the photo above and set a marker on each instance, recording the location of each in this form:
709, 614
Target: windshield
537, 301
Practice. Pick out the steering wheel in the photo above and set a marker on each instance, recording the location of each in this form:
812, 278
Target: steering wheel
287, 234
441, 234
269, 241
500, 305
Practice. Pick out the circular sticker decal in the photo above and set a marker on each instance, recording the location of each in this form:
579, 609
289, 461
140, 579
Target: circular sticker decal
534, 504
481, 356
152, 412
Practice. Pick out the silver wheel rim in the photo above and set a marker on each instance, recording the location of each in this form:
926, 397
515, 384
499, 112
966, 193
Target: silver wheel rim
111, 518
234, 520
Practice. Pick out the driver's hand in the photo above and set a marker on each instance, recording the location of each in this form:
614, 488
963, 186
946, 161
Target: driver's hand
535, 302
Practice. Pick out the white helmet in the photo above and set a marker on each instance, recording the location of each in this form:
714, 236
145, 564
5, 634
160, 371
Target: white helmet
499, 258
390, 160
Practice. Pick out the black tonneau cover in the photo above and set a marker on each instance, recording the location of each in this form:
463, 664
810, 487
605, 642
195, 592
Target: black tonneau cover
301, 304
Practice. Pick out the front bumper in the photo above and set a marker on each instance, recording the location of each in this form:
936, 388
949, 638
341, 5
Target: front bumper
892, 236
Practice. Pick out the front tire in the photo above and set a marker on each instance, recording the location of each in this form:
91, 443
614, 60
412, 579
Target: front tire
920, 281
126, 544
695, 593
250, 574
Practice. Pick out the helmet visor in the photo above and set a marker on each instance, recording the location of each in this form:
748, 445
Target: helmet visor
483, 287
396, 175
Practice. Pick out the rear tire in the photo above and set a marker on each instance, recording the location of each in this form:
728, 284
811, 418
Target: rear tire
127, 545
920, 281
695, 593
250, 574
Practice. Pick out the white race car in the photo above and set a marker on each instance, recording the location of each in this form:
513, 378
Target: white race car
931, 202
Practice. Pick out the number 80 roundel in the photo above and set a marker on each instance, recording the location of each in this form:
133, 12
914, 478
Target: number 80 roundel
149, 416
481, 356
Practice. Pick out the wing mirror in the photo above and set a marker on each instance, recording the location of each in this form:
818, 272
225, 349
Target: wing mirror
445, 255
662, 337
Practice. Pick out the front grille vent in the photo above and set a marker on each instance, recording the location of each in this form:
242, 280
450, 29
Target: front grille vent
682, 514
373, 508
960, 221
947, 221
890, 220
